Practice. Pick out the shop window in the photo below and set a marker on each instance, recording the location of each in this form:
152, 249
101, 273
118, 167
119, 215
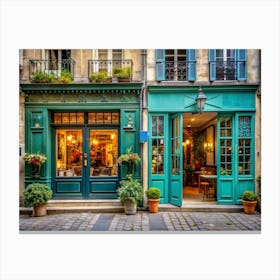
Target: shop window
244, 144
226, 146
103, 152
175, 65
69, 152
227, 64
157, 145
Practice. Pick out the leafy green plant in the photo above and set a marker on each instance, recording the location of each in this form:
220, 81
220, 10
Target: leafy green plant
117, 71
65, 77
37, 194
249, 196
102, 76
131, 190
40, 77
153, 193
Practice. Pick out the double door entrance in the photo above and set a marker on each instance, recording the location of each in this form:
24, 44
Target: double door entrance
225, 143
86, 161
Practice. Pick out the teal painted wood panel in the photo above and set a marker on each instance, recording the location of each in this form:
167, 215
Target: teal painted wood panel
176, 160
68, 187
219, 99
225, 191
103, 186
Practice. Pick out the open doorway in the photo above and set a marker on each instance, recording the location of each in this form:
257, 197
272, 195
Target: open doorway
199, 157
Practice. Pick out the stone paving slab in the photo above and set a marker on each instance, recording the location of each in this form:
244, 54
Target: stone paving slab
142, 221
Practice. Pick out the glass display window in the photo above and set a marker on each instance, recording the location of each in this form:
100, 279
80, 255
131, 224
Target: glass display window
104, 152
69, 152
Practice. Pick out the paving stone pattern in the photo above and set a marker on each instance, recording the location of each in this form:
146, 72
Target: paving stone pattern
142, 222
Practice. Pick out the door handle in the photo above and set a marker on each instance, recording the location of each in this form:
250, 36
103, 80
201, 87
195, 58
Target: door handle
85, 159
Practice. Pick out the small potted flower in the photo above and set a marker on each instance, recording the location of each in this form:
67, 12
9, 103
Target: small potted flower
129, 160
36, 161
37, 195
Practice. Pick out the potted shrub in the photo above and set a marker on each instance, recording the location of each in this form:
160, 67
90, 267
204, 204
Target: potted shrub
116, 74
130, 193
37, 195
249, 201
153, 195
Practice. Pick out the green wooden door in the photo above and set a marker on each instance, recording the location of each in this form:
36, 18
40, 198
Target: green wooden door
100, 163
236, 158
176, 160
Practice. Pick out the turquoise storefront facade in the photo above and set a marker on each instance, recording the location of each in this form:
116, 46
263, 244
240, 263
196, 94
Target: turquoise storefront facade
234, 107
44, 102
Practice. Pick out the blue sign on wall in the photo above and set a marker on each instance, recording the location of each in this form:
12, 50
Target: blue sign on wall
143, 136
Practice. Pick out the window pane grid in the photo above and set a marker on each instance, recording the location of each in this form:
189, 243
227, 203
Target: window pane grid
225, 146
244, 145
157, 145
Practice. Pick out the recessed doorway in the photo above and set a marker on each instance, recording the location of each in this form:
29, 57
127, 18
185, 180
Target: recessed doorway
199, 156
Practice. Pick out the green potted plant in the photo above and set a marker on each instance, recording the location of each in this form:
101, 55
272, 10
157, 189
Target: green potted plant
116, 74
125, 74
249, 201
35, 160
41, 77
37, 195
153, 195
65, 77
130, 193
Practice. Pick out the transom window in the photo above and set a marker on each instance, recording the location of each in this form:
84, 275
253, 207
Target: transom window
76, 118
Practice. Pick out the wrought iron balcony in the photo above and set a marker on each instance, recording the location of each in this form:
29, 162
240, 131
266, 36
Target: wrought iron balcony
108, 66
176, 71
51, 66
226, 70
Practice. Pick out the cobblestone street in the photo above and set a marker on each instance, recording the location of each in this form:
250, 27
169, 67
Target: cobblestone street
142, 222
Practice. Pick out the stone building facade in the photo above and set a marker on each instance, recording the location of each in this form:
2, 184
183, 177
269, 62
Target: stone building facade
162, 92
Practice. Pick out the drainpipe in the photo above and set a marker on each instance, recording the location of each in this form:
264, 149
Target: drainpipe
142, 102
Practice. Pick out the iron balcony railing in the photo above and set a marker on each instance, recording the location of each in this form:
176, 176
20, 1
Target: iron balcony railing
176, 70
226, 70
107, 66
51, 66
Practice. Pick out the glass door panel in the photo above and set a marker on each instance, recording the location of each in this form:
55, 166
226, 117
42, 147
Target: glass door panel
103, 152
69, 151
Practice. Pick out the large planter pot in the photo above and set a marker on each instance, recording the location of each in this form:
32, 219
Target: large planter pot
153, 205
40, 210
249, 206
130, 208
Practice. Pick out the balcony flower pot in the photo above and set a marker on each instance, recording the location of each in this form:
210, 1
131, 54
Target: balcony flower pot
153, 195
249, 201
37, 195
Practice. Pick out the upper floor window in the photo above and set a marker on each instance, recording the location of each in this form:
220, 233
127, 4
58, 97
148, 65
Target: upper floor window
227, 64
108, 59
175, 65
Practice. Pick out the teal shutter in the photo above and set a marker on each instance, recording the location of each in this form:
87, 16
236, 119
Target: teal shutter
191, 55
241, 64
160, 65
212, 64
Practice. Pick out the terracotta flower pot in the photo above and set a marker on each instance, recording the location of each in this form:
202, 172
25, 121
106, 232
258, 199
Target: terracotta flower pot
249, 206
153, 205
40, 210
